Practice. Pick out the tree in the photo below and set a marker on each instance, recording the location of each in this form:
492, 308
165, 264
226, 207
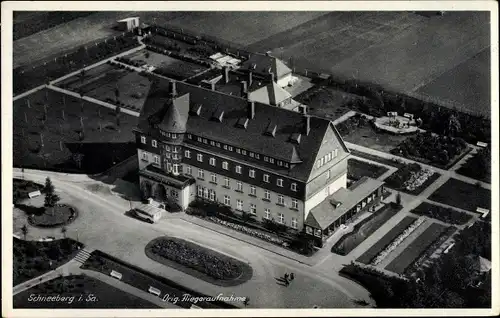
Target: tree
453, 125
24, 229
51, 198
117, 94
78, 158
398, 199
63, 231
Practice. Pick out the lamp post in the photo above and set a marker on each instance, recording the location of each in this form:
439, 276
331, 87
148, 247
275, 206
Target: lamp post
77, 236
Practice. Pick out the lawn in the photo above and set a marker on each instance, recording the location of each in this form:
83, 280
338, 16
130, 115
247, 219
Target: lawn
104, 143
364, 229
443, 214
478, 167
326, 101
387, 239
411, 178
27, 77
356, 169
416, 248
79, 291
471, 196
396, 163
196, 260
436, 150
32, 258
142, 279
57, 215
23, 187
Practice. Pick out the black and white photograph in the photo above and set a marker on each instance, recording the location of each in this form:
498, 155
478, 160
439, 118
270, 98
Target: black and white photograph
306, 158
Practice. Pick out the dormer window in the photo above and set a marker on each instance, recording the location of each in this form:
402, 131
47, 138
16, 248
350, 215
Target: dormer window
195, 110
279, 182
295, 138
174, 136
242, 122
271, 160
271, 129
154, 144
293, 187
143, 139
218, 115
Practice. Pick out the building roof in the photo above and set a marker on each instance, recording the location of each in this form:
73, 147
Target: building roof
252, 138
176, 181
271, 94
337, 204
266, 64
128, 19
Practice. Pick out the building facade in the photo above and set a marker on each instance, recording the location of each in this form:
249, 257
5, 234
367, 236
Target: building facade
266, 161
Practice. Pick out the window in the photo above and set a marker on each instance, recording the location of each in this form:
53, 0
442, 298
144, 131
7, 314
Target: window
286, 164
336, 151
200, 191
175, 168
167, 147
267, 214
281, 218
294, 187
199, 157
226, 182
205, 141
243, 152
230, 148
266, 178
143, 139
212, 161
167, 155
238, 150
309, 230
253, 209
318, 164
175, 149
144, 156
205, 193
217, 144
199, 139
212, 195
157, 160
328, 157
214, 178
175, 156
239, 186
239, 205
257, 156
294, 223
295, 204
317, 233
189, 170
322, 161
187, 154
212, 143
201, 174
267, 195
168, 135
190, 136
225, 165
227, 200
281, 200
169, 167
280, 163
153, 143
266, 159
238, 169
271, 160
174, 136
251, 173
252, 154
252, 190
224, 147
174, 193
279, 182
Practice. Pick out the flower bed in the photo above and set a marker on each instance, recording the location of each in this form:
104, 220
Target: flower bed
382, 255
416, 248
381, 244
208, 262
58, 215
411, 178
444, 214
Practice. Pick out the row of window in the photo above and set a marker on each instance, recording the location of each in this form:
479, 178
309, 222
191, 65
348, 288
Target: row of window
239, 170
174, 168
154, 143
327, 158
240, 151
239, 187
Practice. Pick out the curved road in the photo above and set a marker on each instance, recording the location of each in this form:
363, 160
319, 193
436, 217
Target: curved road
103, 225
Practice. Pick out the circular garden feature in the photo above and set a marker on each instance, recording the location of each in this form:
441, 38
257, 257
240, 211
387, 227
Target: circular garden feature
198, 261
58, 215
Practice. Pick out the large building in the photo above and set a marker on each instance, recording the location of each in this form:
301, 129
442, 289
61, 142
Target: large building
275, 164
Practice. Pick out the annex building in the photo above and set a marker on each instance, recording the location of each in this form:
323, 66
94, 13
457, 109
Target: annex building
276, 164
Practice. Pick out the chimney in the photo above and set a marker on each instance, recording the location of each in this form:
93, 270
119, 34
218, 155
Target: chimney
303, 109
212, 86
251, 109
250, 78
244, 88
307, 124
226, 74
173, 89
272, 77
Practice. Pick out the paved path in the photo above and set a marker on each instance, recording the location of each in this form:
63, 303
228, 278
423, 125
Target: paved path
102, 224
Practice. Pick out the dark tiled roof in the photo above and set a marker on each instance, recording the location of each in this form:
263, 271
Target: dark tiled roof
265, 64
325, 213
252, 138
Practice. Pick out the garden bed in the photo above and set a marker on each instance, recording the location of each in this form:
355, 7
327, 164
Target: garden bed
416, 248
436, 150
443, 214
364, 229
387, 239
478, 167
411, 178
199, 261
21, 188
142, 279
471, 196
356, 169
58, 215
32, 258
79, 292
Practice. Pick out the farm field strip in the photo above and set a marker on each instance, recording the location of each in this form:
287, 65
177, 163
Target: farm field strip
414, 250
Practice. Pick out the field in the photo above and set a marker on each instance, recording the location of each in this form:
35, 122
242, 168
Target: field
63, 148
443, 214
356, 169
468, 81
416, 248
102, 81
478, 166
106, 296
471, 196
